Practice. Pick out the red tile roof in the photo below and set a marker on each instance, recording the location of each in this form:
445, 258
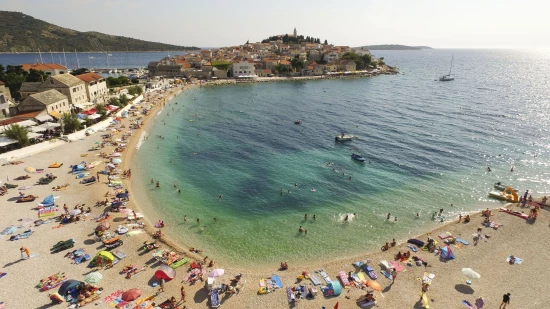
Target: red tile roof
42, 66
90, 77
20, 117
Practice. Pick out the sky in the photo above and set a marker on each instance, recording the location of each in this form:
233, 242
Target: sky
215, 23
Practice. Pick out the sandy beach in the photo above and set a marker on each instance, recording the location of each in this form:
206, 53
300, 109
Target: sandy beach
515, 236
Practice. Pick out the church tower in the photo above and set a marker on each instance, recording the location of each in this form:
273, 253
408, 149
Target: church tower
295, 33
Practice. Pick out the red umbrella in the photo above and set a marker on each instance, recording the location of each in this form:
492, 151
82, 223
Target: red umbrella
131, 294
103, 226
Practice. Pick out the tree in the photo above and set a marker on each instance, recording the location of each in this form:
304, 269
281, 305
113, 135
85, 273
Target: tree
80, 71
222, 65
326, 42
18, 133
297, 63
123, 99
36, 76
285, 38
281, 68
101, 110
70, 122
135, 90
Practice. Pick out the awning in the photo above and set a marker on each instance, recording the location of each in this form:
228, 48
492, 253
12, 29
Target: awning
44, 118
4, 141
94, 116
55, 115
81, 120
81, 106
89, 112
33, 135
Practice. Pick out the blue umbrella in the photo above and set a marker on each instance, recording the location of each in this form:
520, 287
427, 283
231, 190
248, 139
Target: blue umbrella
67, 286
48, 201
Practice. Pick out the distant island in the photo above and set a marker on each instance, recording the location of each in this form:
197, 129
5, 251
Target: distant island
394, 47
23, 33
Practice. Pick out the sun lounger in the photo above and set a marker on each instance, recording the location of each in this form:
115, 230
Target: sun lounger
214, 298
445, 235
370, 271
343, 279
276, 280
385, 265
314, 279
179, 263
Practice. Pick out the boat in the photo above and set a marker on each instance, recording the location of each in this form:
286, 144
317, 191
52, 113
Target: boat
343, 137
298, 121
357, 157
508, 194
500, 187
448, 77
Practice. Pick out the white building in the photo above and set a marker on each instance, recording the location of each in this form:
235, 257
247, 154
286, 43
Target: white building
243, 68
96, 87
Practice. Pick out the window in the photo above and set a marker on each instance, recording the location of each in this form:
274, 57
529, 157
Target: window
74, 89
61, 72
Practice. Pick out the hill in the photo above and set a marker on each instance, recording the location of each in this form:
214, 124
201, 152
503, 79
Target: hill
395, 47
24, 33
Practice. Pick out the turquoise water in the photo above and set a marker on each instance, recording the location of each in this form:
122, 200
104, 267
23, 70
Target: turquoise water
428, 145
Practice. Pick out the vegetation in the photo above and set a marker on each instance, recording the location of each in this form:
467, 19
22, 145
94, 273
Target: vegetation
70, 122
18, 133
117, 81
222, 65
24, 33
80, 71
14, 75
120, 102
281, 68
361, 62
100, 109
135, 90
297, 63
291, 39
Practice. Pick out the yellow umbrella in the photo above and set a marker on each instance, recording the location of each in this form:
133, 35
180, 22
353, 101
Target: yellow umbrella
30, 169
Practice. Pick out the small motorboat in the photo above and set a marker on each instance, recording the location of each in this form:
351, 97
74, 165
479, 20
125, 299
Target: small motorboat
343, 137
298, 121
357, 157
500, 187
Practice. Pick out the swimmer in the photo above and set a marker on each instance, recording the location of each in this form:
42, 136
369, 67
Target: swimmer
395, 219
355, 215
220, 197
300, 229
417, 215
305, 217
179, 191
215, 219
346, 218
488, 169
314, 217
512, 169
281, 191
175, 186
295, 184
185, 218
198, 221
312, 189
388, 216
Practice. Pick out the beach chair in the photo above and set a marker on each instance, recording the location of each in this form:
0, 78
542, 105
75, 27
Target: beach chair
325, 276
370, 271
119, 254
215, 298
314, 279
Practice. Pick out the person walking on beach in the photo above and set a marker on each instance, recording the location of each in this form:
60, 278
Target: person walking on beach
393, 276
505, 301
182, 291
161, 289
26, 251
97, 174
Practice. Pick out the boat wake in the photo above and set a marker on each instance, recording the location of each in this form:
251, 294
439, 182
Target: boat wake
141, 139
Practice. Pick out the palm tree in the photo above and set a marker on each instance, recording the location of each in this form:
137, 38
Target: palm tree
18, 133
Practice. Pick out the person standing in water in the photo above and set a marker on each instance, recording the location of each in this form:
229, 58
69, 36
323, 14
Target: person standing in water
314, 218
198, 221
185, 218
388, 216
305, 217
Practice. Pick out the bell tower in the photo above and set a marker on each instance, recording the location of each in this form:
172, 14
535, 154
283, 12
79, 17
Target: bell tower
295, 32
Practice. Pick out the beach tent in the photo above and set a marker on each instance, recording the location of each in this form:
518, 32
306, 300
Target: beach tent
333, 288
447, 253
67, 286
48, 201
165, 272
102, 258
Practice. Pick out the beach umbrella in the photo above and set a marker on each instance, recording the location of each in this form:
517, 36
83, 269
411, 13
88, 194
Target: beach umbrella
116, 154
125, 211
25, 188
131, 294
30, 169
480, 303
103, 226
67, 286
374, 285
470, 273
93, 277
216, 273
165, 272
75, 212
117, 161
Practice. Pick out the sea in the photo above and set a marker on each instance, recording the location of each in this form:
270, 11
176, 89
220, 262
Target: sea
232, 157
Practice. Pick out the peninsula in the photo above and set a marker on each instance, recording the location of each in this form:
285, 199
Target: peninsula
23, 33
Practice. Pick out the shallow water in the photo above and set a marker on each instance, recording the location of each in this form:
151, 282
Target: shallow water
427, 143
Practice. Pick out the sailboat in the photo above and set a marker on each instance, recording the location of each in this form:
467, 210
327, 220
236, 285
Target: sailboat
448, 77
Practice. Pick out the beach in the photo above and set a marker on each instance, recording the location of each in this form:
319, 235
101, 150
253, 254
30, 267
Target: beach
516, 236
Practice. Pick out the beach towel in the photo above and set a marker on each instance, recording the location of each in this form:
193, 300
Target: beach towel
413, 248
325, 276
314, 279
370, 271
112, 296
343, 279
462, 241
2, 275
518, 260
9, 230
276, 280
397, 266
119, 254
214, 298
445, 235
468, 304
361, 276
385, 264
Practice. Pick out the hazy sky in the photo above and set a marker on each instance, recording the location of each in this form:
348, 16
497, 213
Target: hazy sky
209, 23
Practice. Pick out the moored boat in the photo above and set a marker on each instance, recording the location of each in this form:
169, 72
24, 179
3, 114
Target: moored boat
508, 194
357, 157
343, 137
